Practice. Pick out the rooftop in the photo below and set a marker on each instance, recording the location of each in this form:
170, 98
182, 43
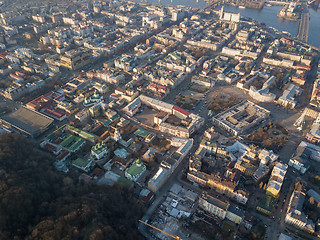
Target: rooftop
28, 121
267, 203
215, 201
99, 147
136, 168
81, 163
141, 132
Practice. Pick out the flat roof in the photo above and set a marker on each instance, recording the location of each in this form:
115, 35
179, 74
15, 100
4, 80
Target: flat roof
215, 201
158, 177
141, 132
125, 182
28, 121
80, 162
267, 203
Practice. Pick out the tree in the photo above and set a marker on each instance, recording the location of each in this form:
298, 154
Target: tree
37, 202
261, 185
311, 200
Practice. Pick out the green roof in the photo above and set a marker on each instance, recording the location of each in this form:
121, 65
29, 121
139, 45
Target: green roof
50, 136
81, 133
125, 182
150, 136
76, 144
267, 203
81, 163
141, 132
115, 117
136, 168
68, 140
108, 122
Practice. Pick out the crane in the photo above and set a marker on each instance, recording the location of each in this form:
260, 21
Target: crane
168, 234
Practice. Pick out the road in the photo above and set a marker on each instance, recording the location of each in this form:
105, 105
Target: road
176, 175
160, 196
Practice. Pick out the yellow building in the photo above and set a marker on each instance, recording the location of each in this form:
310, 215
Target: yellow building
224, 185
75, 59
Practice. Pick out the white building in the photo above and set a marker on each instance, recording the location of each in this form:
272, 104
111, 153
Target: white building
267, 156
300, 159
135, 171
227, 16
158, 179
294, 215
276, 179
99, 150
132, 108
235, 214
263, 94
288, 97
213, 205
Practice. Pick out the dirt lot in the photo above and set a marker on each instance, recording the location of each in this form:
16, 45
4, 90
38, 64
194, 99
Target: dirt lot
146, 116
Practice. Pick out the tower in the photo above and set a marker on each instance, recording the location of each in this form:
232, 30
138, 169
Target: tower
116, 135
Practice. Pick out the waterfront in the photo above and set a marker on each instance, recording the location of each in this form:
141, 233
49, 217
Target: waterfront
267, 15
187, 3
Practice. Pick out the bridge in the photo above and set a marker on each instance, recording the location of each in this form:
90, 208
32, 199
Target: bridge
213, 4
303, 30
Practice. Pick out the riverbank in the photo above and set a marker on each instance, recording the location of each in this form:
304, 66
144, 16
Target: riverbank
267, 15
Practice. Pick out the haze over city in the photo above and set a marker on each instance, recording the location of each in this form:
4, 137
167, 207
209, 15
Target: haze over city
167, 119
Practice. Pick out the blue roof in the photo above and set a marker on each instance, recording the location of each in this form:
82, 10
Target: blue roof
314, 194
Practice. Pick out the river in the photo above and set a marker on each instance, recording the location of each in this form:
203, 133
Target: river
187, 3
268, 15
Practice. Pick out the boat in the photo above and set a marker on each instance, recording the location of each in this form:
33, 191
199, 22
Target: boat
242, 7
268, 5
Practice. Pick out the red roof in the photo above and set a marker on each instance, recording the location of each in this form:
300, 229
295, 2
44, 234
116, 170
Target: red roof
115, 95
148, 197
303, 66
39, 102
63, 154
180, 110
51, 147
54, 112
21, 74
15, 76
158, 87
